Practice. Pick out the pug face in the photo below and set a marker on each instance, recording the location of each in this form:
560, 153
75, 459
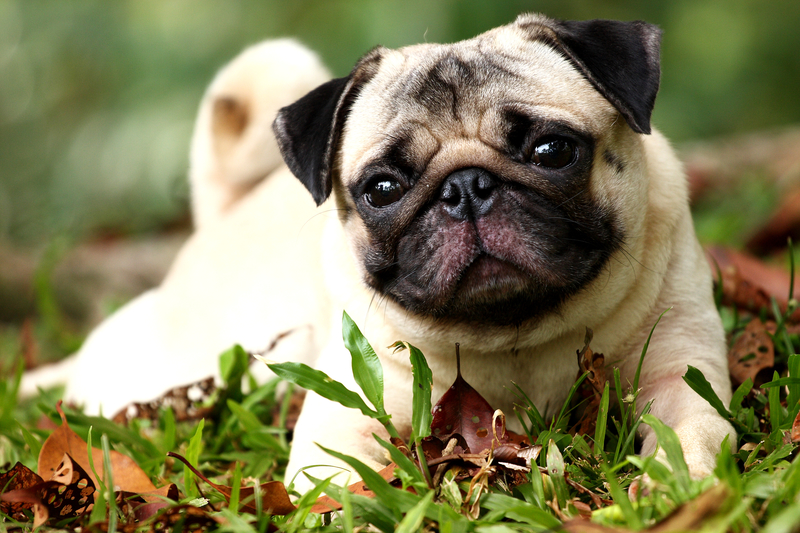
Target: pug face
484, 182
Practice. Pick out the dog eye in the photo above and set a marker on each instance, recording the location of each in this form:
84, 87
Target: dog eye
383, 191
553, 152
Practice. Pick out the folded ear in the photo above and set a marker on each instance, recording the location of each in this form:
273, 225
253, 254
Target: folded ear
308, 131
620, 59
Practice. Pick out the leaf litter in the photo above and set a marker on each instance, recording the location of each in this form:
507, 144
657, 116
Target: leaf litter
469, 443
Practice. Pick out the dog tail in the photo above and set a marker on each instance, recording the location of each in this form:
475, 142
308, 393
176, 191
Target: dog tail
233, 146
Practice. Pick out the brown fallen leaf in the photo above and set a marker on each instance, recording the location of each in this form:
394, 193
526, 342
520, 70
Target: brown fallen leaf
591, 390
189, 517
463, 411
784, 223
187, 403
18, 478
748, 283
752, 352
68, 494
126, 473
796, 429
274, 497
145, 505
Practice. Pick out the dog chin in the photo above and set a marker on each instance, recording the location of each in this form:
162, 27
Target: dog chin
489, 292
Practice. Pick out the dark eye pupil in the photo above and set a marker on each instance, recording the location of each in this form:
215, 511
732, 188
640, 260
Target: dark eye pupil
553, 153
384, 192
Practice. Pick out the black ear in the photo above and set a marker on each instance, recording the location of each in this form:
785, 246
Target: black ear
307, 136
308, 130
620, 59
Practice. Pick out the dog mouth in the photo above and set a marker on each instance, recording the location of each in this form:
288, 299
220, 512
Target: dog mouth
476, 275
488, 279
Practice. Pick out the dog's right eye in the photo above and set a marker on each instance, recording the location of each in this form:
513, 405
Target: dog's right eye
383, 191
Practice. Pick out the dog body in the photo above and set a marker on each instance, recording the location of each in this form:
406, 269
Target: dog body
504, 193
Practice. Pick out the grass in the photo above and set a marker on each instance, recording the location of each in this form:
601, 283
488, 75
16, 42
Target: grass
756, 488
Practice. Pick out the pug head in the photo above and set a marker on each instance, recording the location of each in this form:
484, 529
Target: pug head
487, 181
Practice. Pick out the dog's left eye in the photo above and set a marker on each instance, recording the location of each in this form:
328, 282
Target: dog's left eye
383, 191
553, 152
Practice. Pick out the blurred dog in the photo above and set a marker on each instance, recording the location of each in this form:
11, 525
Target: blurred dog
503, 192
247, 274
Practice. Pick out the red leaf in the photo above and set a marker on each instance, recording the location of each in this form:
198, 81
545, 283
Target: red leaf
462, 410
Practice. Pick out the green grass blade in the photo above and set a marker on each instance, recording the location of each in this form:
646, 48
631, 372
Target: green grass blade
412, 521
668, 441
384, 492
100, 508
319, 382
602, 421
236, 487
403, 462
304, 504
555, 468
626, 447
108, 472
698, 382
644, 350
562, 418
369, 509
233, 364
785, 521
193, 457
170, 430
32, 442
421, 415
775, 409
778, 382
514, 509
367, 368
632, 518
739, 395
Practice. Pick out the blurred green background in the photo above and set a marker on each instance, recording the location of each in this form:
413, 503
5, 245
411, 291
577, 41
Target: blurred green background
97, 98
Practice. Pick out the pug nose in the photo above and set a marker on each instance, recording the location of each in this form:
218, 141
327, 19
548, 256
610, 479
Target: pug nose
468, 193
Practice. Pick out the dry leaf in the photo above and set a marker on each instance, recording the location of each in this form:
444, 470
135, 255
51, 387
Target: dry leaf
592, 387
274, 497
796, 429
752, 352
187, 402
18, 478
126, 473
462, 411
747, 282
66, 495
190, 518
145, 505
784, 223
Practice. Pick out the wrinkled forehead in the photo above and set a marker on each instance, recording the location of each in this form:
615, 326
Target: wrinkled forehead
442, 91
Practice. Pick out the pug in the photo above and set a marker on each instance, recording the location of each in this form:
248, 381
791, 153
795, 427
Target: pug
250, 271
504, 192
507, 192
